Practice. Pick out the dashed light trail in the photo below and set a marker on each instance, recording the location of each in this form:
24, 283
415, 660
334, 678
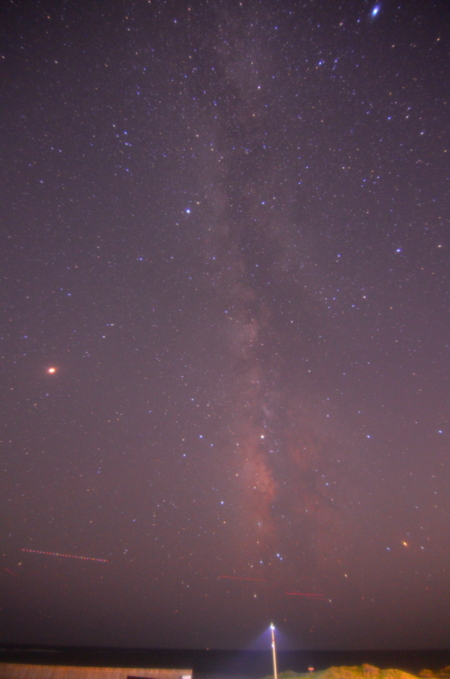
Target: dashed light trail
66, 556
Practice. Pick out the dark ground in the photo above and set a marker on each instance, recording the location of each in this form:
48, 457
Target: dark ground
216, 663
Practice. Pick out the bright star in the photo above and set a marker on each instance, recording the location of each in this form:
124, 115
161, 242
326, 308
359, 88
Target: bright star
375, 10
51, 370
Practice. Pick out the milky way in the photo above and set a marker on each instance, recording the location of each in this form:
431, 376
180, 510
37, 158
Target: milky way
225, 331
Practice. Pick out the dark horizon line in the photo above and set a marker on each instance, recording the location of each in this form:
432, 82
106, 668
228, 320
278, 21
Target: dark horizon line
47, 647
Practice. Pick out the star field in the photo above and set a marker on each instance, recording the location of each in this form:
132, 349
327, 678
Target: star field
225, 333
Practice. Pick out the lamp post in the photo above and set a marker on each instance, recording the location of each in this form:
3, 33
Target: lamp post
274, 651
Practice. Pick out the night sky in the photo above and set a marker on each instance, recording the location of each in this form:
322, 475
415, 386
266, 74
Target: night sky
225, 336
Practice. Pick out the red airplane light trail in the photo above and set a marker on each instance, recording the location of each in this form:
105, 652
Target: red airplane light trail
66, 556
235, 577
310, 594
10, 572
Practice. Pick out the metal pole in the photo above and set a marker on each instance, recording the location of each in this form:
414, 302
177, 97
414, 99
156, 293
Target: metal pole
274, 652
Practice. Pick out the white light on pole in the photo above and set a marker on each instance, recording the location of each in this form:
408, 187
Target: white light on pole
274, 651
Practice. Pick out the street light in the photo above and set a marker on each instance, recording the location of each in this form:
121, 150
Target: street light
274, 652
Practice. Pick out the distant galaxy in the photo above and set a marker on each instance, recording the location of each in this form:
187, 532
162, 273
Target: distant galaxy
375, 11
